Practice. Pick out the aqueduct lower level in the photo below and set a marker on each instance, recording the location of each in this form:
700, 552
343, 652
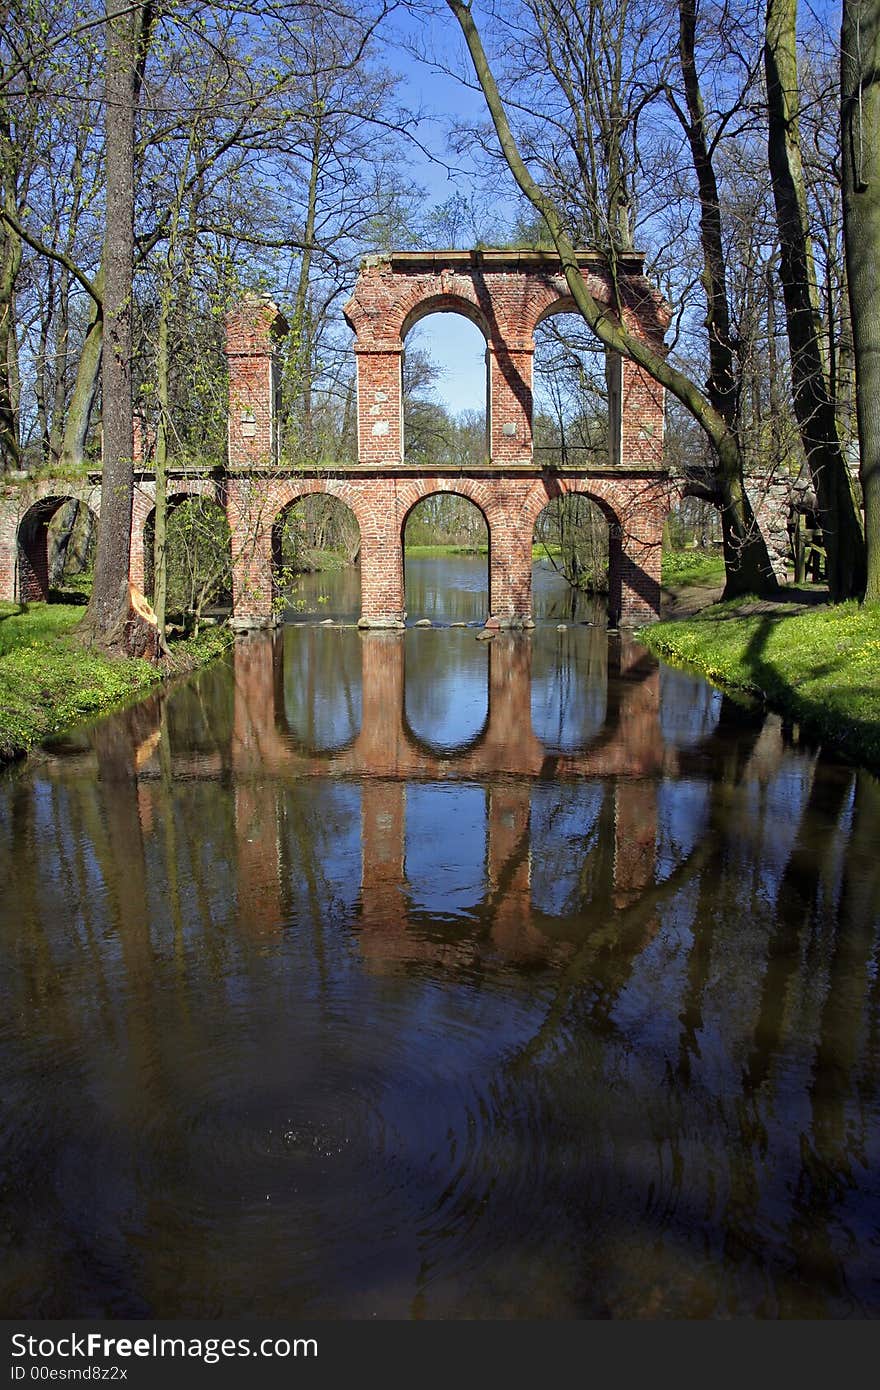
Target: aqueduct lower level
507, 294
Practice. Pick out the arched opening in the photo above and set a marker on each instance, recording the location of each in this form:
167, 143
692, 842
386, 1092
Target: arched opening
576, 390
692, 549
446, 692
56, 548
321, 704
445, 389
316, 544
445, 854
198, 559
569, 693
575, 561
446, 560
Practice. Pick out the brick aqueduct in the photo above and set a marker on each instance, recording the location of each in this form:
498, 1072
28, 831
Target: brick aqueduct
506, 293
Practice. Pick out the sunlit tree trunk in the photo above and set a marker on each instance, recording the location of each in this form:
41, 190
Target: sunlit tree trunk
860, 112
813, 401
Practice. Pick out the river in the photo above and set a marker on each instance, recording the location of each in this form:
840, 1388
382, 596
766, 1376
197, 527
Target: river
405, 975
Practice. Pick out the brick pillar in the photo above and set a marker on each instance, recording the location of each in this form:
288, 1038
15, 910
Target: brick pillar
510, 402
8, 551
380, 403
642, 417
640, 562
142, 506
510, 575
253, 328
383, 915
382, 594
635, 833
250, 533
382, 675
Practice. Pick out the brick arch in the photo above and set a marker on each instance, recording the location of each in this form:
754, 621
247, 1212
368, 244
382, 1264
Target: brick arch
143, 523
479, 492
286, 496
32, 538
466, 306
288, 492
548, 490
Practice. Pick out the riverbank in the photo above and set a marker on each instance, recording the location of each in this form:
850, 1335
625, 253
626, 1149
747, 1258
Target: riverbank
49, 682
814, 663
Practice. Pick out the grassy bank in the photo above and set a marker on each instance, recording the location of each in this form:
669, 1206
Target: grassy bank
688, 567
49, 682
818, 665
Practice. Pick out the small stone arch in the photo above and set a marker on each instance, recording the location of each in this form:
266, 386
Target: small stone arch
32, 540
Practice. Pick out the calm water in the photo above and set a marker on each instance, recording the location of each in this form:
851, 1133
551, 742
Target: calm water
404, 975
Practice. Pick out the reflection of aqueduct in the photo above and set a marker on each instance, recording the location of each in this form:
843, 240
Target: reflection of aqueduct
385, 758
507, 294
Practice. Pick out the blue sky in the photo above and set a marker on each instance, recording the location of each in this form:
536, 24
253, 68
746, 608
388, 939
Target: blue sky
455, 345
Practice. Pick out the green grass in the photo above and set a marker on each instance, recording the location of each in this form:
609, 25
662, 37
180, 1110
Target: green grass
49, 682
684, 567
820, 668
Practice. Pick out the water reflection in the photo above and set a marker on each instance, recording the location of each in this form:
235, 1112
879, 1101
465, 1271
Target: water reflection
334, 985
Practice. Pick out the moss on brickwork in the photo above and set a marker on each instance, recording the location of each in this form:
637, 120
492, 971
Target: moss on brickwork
50, 682
819, 666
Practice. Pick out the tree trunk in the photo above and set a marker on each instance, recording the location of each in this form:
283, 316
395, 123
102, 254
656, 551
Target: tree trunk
10, 262
122, 34
860, 112
79, 409
813, 403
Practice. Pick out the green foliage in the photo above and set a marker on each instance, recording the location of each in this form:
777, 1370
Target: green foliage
820, 667
684, 567
48, 681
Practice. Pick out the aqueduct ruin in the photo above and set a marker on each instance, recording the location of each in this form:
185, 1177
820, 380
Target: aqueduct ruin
506, 294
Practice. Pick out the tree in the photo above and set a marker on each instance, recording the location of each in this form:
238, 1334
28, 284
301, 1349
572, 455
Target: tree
748, 563
127, 32
860, 121
813, 401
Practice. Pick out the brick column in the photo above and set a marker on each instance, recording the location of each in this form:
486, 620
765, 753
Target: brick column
250, 538
33, 553
142, 505
380, 403
8, 548
640, 562
253, 328
642, 417
382, 595
510, 402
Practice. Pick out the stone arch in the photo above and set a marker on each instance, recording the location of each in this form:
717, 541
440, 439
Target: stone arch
289, 496
32, 540
548, 490
415, 490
